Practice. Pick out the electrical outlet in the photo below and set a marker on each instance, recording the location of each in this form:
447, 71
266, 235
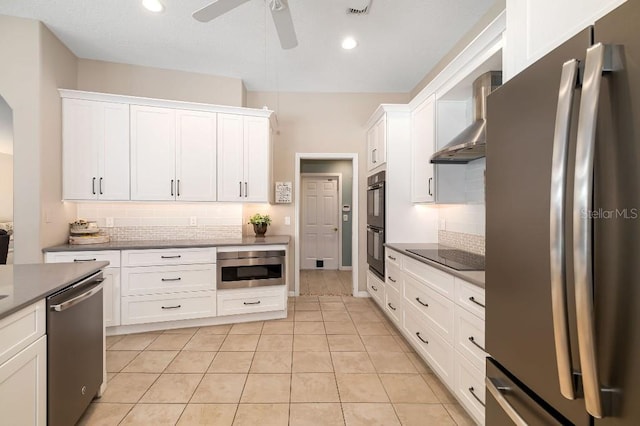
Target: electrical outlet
109, 222
287, 220
193, 221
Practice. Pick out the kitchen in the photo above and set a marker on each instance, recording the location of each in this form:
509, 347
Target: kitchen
458, 223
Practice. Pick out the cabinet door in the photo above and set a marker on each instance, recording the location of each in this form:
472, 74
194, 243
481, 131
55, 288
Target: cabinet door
113, 158
23, 386
195, 156
230, 157
153, 162
422, 147
257, 159
111, 294
371, 146
380, 155
82, 130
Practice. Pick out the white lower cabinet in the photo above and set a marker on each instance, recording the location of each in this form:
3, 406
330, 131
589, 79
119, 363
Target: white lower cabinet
376, 288
469, 387
168, 307
251, 300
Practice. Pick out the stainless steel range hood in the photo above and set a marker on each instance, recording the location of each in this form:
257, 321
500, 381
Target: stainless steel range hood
470, 144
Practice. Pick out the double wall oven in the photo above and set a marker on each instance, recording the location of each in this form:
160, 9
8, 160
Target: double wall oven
375, 223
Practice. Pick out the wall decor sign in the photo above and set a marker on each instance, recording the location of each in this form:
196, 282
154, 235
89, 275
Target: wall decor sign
283, 192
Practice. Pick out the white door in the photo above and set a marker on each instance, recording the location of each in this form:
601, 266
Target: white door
422, 147
195, 156
230, 157
256, 159
113, 159
153, 146
319, 222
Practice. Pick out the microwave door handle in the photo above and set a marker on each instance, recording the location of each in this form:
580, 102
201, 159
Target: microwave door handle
568, 81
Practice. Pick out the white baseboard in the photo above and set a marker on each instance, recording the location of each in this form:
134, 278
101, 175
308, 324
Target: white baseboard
345, 268
363, 294
292, 294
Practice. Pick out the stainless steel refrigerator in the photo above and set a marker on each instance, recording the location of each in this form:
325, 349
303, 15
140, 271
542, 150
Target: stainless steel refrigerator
563, 233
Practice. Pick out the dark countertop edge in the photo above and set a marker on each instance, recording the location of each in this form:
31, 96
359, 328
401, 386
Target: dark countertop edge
96, 266
162, 244
473, 277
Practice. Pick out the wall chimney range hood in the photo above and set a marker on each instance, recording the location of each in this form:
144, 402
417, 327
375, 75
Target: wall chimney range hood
470, 144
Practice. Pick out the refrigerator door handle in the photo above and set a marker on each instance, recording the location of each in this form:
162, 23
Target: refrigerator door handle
600, 58
497, 389
568, 81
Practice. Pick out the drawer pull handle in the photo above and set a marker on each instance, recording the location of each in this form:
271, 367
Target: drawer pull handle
426, 305
85, 260
172, 307
472, 391
171, 279
171, 257
473, 300
472, 340
391, 306
374, 288
391, 279
421, 339
252, 303
391, 257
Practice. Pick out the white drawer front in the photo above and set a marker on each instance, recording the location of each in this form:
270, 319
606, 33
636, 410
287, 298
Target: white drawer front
435, 350
393, 305
436, 309
111, 256
376, 288
471, 297
20, 329
169, 307
438, 280
393, 257
393, 277
168, 257
246, 301
470, 337
469, 388
168, 279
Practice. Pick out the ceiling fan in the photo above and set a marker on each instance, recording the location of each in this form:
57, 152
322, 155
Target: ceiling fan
279, 11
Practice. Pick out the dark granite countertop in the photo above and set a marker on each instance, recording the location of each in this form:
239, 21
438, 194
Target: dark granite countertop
26, 284
161, 244
474, 277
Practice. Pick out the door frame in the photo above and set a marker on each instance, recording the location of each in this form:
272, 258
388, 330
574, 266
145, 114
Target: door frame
339, 204
353, 157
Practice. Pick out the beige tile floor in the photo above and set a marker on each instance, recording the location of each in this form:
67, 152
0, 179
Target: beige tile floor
333, 361
323, 282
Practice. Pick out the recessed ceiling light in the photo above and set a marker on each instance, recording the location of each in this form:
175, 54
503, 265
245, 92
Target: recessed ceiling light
349, 43
153, 5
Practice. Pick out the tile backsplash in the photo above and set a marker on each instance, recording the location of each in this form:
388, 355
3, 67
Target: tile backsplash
462, 226
149, 221
466, 242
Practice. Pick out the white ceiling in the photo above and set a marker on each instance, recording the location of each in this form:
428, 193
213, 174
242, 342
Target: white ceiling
399, 40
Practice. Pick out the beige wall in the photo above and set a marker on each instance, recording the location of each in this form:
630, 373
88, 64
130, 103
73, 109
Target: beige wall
6, 187
58, 70
134, 80
313, 123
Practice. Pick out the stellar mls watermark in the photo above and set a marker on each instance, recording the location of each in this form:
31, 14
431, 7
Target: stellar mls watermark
632, 213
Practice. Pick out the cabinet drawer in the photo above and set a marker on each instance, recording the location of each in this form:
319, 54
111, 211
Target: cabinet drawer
393, 277
393, 305
376, 288
168, 279
20, 329
111, 256
168, 257
247, 301
470, 337
436, 279
393, 258
469, 388
470, 297
436, 309
169, 307
434, 349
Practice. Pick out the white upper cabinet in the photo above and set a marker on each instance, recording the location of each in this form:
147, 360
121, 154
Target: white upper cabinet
377, 144
244, 158
422, 147
535, 27
96, 150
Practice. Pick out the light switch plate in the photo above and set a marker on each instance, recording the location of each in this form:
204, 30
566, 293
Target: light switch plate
345, 218
287, 220
193, 221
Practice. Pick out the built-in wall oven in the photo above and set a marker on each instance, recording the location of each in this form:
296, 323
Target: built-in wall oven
375, 223
241, 269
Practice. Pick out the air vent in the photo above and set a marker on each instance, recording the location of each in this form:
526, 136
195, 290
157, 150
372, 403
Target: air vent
360, 7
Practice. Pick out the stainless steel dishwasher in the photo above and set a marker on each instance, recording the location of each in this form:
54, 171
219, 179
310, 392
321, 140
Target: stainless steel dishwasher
74, 350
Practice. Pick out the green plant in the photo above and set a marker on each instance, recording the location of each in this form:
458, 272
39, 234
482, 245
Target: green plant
260, 219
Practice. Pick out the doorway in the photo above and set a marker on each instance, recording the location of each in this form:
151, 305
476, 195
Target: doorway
326, 205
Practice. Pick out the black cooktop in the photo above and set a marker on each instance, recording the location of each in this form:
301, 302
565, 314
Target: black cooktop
459, 260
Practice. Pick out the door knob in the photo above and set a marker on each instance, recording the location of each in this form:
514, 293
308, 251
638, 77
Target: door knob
335, 229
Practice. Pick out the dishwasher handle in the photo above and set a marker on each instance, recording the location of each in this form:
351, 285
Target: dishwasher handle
74, 301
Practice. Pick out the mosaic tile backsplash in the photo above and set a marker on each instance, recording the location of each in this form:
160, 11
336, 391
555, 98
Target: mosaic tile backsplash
459, 240
203, 232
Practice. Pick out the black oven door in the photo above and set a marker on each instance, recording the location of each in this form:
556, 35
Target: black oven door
375, 250
375, 205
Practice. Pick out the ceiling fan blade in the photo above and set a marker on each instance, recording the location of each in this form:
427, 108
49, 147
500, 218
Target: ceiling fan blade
284, 26
215, 9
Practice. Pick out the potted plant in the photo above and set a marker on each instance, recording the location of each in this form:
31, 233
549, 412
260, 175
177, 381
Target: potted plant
260, 223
